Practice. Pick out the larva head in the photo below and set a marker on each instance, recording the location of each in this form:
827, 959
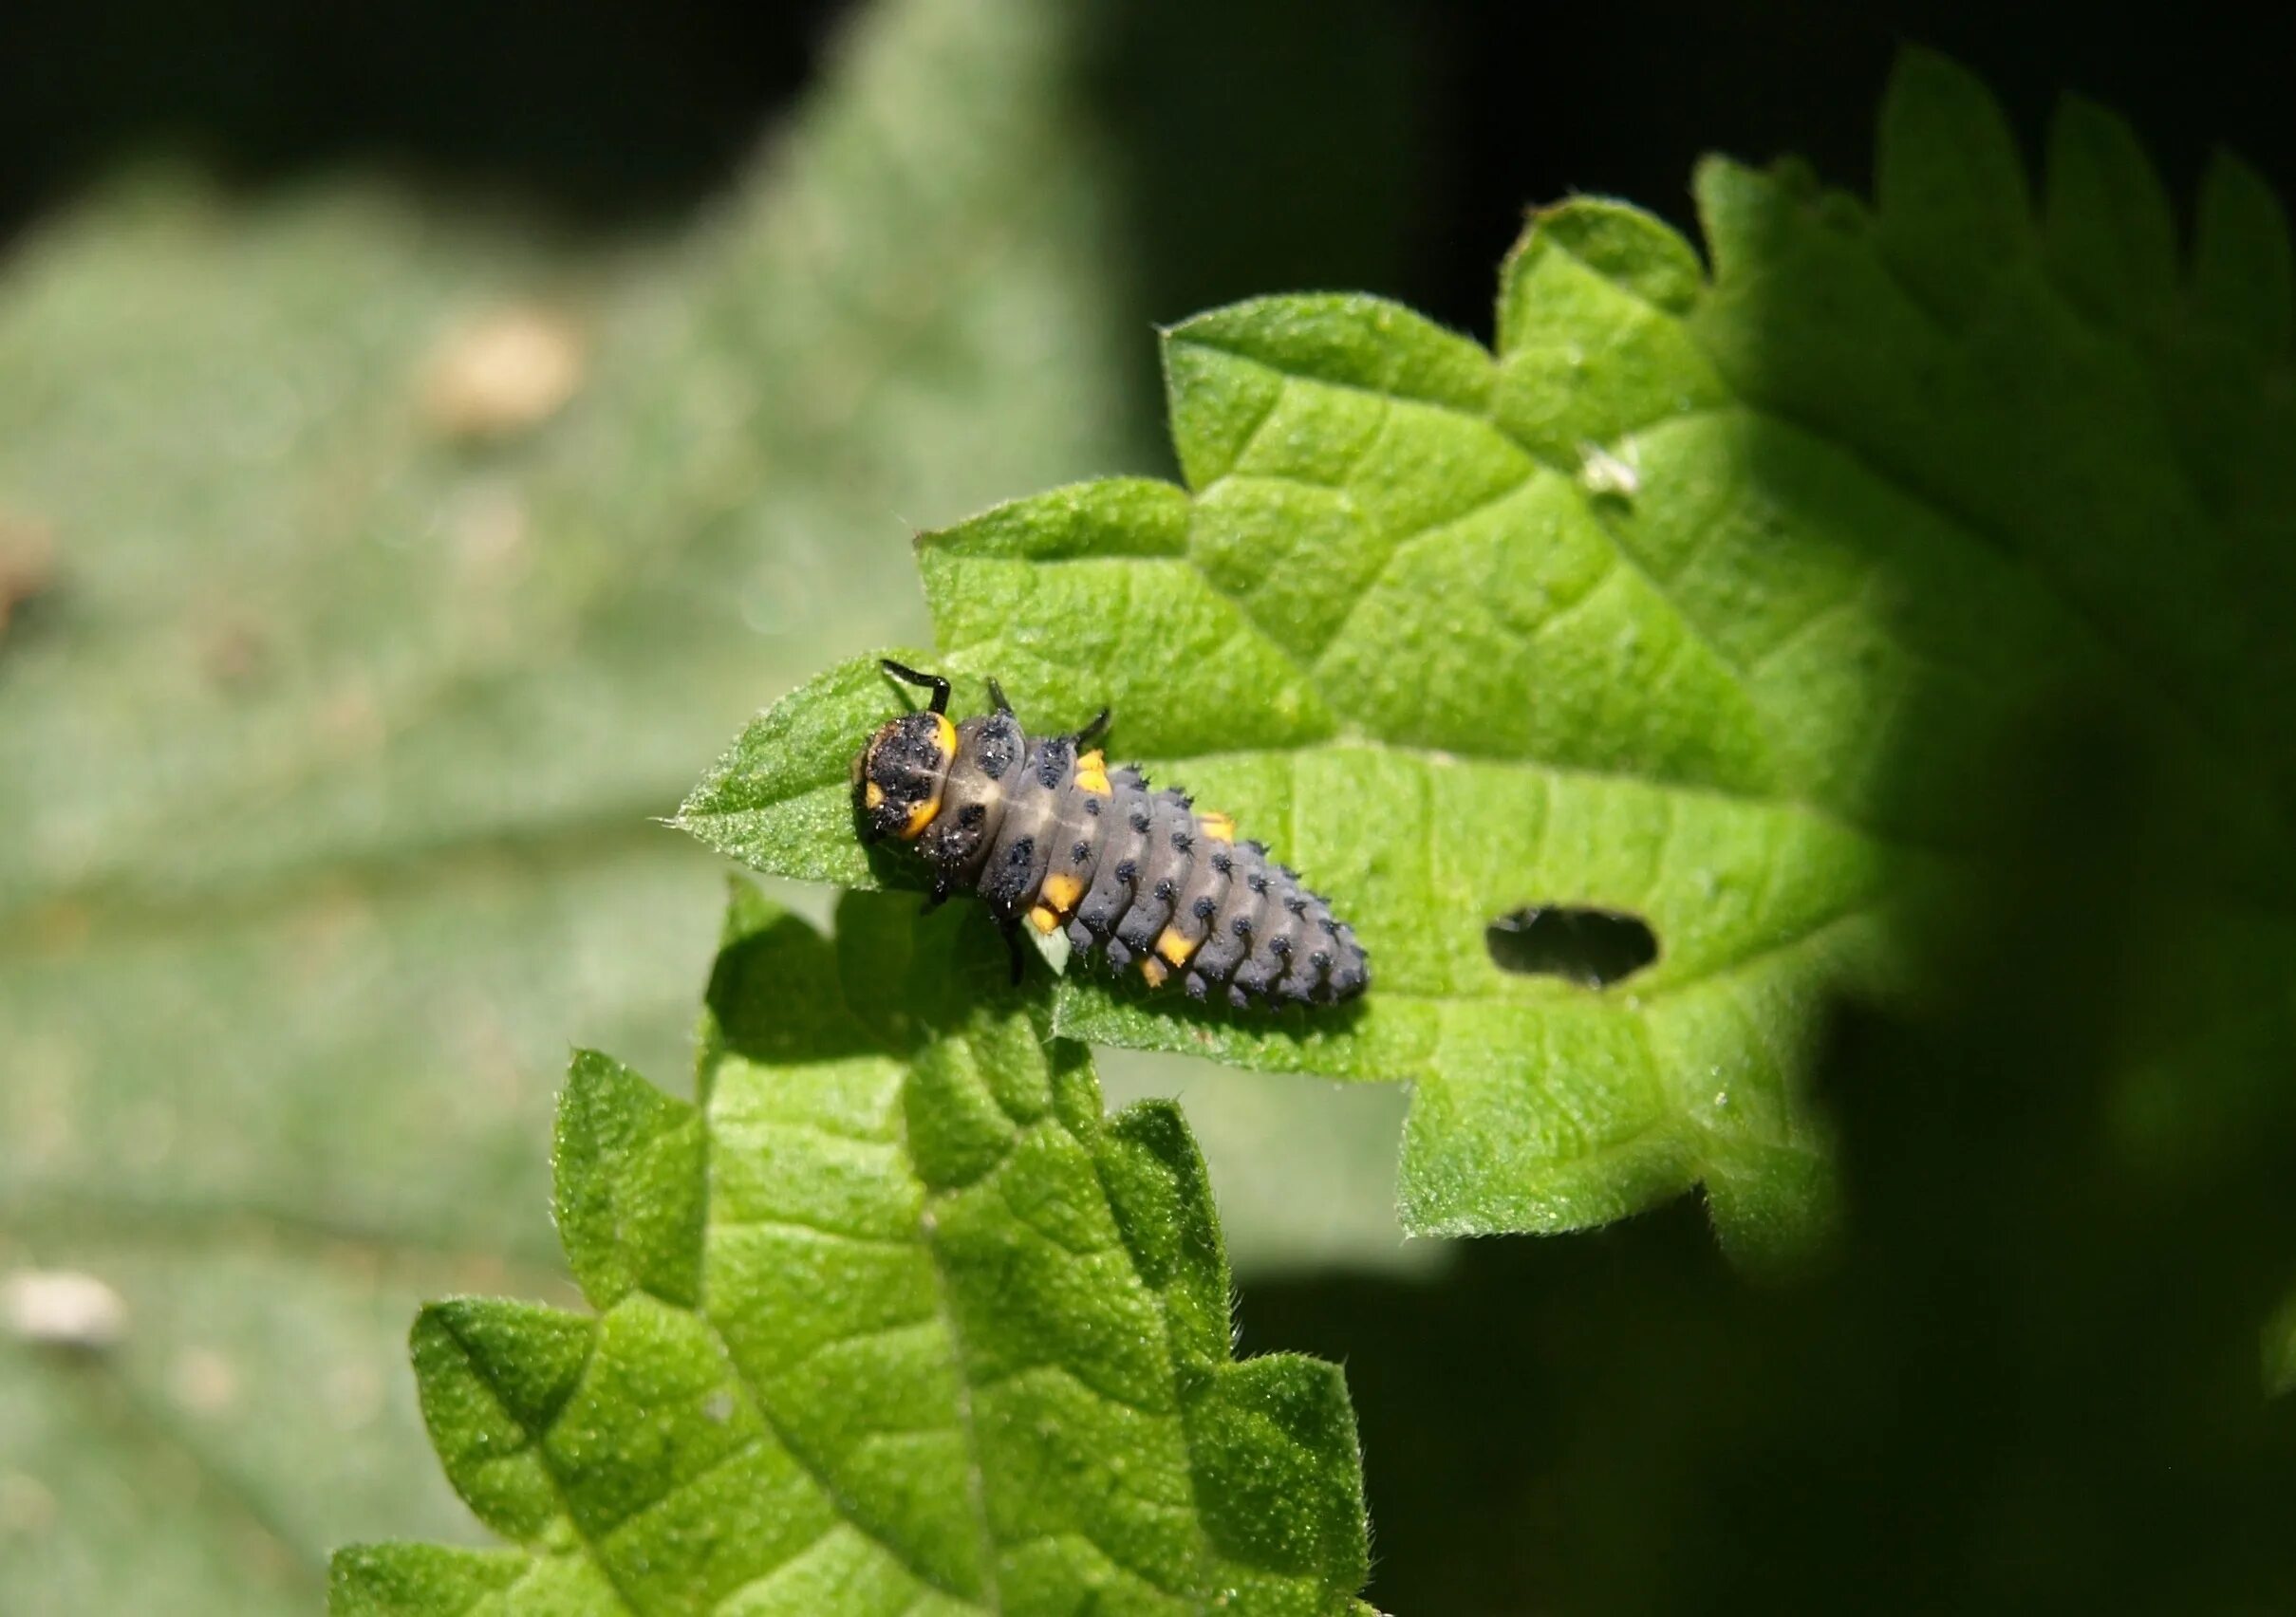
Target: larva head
898, 776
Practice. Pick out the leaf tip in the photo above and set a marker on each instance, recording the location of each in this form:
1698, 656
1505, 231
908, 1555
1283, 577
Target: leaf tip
628, 1162
2107, 223
1950, 185
1627, 246
1925, 82
2242, 281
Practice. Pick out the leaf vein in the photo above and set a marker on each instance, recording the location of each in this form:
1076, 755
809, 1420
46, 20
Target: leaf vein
543, 1460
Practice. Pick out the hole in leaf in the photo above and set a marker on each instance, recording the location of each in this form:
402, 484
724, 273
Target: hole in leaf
1595, 947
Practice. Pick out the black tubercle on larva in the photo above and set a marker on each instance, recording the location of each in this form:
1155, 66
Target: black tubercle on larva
1146, 883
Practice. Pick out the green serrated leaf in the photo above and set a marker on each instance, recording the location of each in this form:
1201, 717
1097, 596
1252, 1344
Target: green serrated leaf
1691, 601
2242, 281
2111, 236
1949, 187
957, 1344
629, 1204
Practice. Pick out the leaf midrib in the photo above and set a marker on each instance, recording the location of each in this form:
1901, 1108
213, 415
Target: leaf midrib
476, 1365
839, 1501
975, 1479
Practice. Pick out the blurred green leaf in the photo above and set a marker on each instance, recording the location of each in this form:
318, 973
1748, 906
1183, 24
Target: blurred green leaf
374, 575
943, 1339
1690, 602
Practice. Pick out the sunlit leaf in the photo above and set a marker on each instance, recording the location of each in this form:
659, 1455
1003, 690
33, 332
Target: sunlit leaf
1688, 604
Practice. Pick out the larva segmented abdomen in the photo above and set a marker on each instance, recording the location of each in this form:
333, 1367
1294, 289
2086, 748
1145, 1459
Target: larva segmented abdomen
1056, 839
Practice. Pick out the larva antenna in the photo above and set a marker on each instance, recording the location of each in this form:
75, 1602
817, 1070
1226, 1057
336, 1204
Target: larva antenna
933, 682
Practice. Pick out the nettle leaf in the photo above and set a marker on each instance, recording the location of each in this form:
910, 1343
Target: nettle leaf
1655, 610
889, 1319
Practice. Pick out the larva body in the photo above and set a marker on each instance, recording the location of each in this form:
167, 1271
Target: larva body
1052, 838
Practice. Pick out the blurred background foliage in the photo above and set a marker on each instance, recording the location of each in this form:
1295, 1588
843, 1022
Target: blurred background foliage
426, 433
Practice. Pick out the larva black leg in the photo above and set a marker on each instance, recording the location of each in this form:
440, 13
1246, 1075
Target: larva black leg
1094, 731
939, 895
997, 696
933, 682
1013, 947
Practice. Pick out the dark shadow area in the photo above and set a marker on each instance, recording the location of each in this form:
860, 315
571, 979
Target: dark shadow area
1282, 145
1591, 947
2027, 1380
1395, 148
1531, 104
1271, 146
587, 110
778, 959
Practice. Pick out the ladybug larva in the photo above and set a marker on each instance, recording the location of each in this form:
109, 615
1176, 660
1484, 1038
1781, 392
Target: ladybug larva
1052, 837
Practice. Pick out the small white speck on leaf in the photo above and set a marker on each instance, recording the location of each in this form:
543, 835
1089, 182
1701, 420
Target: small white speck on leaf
1602, 473
62, 1308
